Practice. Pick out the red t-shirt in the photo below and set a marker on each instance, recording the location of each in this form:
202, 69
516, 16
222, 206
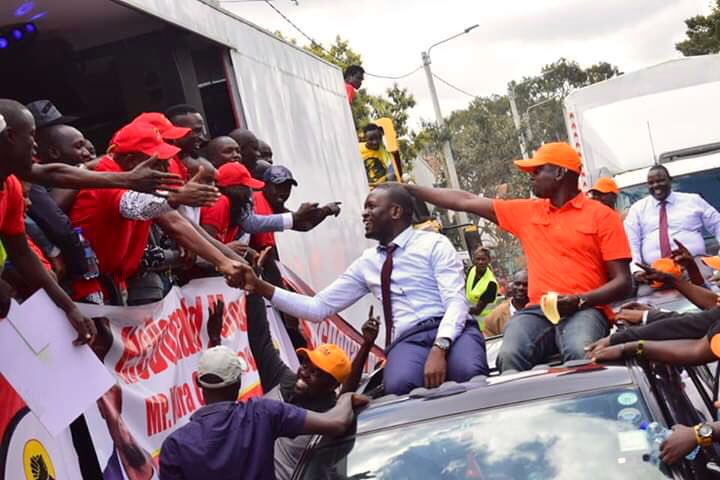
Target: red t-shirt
350, 90
119, 243
259, 241
178, 168
12, 207
218, 217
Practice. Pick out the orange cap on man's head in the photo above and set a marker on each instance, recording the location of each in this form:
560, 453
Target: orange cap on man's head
605, 185
559, 154
329, 358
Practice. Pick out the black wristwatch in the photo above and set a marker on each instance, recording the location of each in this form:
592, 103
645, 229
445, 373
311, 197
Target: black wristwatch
582, 302
442, 343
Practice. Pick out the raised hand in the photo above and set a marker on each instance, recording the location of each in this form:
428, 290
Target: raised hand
681, 255
370, 328
195, 193
149, 178
215, 322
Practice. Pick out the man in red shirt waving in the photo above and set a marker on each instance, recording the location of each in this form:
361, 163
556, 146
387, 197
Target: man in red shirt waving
116, 222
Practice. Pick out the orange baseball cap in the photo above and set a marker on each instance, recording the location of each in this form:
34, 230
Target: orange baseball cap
606, 185
233, 174
142, 138
167, 130
560, 154
715, 345
666, 265
712, 262
329, 358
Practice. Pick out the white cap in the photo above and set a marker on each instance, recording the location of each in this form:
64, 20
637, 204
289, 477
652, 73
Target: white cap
223, 363
2, 123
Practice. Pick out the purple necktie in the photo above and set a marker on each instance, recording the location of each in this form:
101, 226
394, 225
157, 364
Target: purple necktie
385, 274
665, 249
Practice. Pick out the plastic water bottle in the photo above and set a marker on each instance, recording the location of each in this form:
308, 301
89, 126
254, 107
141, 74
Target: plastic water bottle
92, 271
656, 435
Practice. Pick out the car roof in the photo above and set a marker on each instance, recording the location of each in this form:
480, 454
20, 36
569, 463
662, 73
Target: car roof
488, 392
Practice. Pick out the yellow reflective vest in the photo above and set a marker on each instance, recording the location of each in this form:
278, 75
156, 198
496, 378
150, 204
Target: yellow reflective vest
473, 294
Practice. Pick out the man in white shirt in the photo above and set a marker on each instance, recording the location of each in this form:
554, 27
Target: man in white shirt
663, 216
419, 279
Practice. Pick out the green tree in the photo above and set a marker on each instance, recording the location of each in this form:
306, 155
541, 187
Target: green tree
703, 32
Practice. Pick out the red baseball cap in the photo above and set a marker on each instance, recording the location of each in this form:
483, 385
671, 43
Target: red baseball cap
167, 130
142, 138
557, 153
233, 174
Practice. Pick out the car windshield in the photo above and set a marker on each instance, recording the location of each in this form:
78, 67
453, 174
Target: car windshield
592, 435
706, 184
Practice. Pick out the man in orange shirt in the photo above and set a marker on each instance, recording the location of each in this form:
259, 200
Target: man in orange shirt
605, 191
574, 246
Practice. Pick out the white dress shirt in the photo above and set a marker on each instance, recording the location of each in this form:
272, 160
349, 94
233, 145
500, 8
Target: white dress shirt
427, 282
687, 215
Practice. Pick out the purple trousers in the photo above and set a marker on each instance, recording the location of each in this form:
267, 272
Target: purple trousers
406, 357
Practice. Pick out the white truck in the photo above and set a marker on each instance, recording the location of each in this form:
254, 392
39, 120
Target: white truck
665, 114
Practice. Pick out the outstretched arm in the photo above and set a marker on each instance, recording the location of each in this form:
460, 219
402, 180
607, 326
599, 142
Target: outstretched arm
458, 200
143, 178
673, 352
337, 420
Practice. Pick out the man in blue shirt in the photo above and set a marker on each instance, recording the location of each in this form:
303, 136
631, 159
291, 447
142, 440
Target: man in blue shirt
418, 277
234, 440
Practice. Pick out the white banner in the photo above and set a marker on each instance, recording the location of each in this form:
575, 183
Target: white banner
153, 352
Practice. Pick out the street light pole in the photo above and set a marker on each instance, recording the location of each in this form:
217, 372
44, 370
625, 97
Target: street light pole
447, 150
517, 122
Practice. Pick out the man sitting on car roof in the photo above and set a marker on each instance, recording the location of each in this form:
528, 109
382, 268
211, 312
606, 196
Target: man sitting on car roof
577, 257
419, 279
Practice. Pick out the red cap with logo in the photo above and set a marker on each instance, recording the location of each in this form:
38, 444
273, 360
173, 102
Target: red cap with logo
167, 130
233, 174
142, 138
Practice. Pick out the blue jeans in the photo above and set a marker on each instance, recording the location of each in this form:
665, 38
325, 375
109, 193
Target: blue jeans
406, 357
530, 339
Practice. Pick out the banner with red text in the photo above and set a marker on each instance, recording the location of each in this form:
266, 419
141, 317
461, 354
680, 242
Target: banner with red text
153, 351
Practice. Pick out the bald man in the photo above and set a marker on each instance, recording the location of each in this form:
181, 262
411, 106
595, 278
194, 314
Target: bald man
266, 152
222, 150
16, 148
62, 144
249, 148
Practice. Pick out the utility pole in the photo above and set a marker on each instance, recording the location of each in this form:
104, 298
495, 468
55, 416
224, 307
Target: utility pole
517, 122
447, 150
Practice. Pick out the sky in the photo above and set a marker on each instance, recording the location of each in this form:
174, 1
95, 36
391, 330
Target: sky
515, 38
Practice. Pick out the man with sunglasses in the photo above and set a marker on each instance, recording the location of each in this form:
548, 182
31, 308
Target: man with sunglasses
575, 247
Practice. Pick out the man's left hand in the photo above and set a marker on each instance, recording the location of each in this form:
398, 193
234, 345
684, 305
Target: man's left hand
84, 326
681, 442
435, 368
567, 305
